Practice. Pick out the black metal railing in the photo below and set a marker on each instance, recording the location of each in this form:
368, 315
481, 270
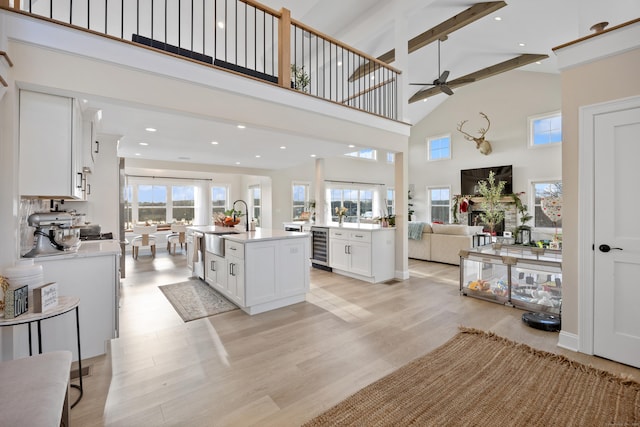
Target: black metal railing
239, 35
321, 66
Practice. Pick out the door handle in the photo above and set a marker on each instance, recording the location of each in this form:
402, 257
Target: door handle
607, 248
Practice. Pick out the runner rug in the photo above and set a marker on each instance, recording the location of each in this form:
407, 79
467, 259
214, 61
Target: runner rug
480, 379
194, 299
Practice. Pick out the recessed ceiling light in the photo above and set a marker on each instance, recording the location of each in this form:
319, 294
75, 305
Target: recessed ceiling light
137, 154
214, 142
283, 147
241, 126
521, 44
424, 100
237, 163
84, 101
150, 129
144, 144
220, 24
497, 18
352, 146
313, 155
258, 156
538, 62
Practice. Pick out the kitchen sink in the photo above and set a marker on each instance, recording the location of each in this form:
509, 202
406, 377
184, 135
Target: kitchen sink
214, 241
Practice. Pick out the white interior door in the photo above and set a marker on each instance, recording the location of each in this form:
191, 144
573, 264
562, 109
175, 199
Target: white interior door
617, 236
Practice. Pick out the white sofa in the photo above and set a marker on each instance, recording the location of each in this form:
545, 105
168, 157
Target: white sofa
441, 242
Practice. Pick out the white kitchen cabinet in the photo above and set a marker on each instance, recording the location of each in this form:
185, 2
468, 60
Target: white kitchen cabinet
50, 157
216, 272
95, 280
363, 254
266, 274
235, 263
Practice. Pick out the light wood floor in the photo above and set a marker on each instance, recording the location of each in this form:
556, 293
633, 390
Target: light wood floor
282, 367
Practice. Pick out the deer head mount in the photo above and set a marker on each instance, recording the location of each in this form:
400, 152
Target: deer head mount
481, 144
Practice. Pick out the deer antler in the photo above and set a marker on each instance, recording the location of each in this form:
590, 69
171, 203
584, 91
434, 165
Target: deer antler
466, 135
483, 131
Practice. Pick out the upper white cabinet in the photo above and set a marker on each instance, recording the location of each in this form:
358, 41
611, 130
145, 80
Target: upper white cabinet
50, 150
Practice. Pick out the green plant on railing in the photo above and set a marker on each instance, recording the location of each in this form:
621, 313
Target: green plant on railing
300, 78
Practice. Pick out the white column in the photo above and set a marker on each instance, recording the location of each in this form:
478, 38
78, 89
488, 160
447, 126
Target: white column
401, 39
320, 193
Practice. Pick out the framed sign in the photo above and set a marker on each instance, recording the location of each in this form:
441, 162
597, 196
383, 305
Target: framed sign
45, 297
16, 301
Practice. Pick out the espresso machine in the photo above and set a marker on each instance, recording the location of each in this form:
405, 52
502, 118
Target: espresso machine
54, 234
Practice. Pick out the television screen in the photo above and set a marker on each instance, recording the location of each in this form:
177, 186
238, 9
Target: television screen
469, 178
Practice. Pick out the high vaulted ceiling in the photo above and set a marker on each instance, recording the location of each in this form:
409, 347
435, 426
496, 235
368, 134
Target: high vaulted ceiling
522, 26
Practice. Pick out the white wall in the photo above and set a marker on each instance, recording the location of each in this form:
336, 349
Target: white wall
508, 101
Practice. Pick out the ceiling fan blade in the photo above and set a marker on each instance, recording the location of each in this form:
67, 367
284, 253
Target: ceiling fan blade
422, 84
492, 70
446, 89
443, 77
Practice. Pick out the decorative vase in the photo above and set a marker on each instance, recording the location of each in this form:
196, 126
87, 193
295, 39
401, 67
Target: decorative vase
340, 220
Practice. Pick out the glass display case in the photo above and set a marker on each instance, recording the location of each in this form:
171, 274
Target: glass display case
526, 277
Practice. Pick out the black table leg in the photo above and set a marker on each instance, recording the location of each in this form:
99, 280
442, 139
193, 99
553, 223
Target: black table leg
30, 347
39, 339
79, 387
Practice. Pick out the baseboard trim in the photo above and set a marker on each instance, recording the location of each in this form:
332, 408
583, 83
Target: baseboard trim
568, 341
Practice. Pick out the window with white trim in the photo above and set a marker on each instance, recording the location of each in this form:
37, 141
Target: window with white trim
300, 199
545, 130
367, 153
391, 201
255, 198
439, 147
358, 201
540, 191
391, 158
439, 200
182, 204
219, 199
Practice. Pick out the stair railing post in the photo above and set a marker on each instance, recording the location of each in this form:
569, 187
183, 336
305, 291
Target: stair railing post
284, 48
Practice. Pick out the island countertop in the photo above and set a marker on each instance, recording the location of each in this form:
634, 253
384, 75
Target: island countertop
241, 236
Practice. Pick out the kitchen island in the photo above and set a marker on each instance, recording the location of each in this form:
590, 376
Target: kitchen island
258, 270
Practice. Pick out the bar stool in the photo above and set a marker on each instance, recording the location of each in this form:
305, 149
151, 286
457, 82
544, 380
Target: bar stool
146, 238
178, 235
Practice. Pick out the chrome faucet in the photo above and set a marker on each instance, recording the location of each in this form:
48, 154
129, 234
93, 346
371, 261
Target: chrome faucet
246, 212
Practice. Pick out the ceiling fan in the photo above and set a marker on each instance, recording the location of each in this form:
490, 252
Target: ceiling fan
441, 81
492, 70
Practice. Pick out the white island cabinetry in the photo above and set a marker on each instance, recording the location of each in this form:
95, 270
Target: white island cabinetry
365, 254
261, 270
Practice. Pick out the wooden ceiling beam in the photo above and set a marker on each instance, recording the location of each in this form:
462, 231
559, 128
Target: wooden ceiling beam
492, 70
440, 31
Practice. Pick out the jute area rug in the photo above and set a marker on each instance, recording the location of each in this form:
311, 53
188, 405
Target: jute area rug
480, 379
194, 299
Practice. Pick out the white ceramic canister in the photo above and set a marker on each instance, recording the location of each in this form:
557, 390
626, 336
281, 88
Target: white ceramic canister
25, 272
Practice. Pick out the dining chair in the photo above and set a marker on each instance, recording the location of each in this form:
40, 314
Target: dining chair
178, 235
145, 238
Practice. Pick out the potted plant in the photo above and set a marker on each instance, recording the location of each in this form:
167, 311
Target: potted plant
300, 78
522, 231
491, 193
410, 211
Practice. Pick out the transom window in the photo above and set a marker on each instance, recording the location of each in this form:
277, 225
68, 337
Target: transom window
367, 153
439, 147
545, 129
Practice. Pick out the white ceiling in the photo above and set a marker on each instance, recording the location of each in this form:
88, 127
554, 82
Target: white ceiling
367, 25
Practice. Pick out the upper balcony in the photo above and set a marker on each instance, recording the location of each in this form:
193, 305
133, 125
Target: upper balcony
238, 36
